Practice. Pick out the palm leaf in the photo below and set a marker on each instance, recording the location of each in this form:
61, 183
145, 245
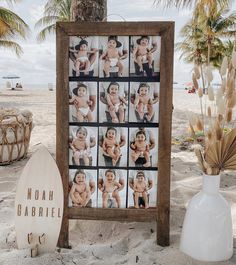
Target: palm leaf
12, 46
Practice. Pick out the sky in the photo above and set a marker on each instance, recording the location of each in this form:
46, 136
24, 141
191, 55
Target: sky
38, 63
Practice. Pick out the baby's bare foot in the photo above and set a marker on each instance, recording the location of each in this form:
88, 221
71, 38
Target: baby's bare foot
115, 120
136, 206
146, 206
148, 164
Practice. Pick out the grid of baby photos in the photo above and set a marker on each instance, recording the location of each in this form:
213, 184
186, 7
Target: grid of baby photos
113, 121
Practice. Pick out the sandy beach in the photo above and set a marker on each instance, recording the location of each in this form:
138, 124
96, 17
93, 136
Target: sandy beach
96, 242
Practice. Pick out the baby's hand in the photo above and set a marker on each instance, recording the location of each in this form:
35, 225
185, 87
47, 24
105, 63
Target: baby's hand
150, 101
112, 107
90, 103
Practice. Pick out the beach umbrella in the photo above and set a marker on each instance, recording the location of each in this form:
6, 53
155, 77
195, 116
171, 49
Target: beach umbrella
11, 77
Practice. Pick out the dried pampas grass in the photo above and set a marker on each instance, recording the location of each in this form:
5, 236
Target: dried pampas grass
211, 95
218, 151
224, 66
196, 71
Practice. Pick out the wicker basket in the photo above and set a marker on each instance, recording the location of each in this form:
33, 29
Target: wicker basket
15, 131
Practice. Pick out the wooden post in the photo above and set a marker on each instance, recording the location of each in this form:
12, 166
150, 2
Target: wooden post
164, 152
62, 117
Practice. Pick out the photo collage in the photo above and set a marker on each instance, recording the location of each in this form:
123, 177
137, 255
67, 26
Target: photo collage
113, 121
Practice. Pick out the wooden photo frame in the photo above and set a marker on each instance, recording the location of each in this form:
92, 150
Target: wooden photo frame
137, 31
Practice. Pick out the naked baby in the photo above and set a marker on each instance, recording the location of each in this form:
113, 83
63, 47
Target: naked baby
140, 190
80, 192
140, 148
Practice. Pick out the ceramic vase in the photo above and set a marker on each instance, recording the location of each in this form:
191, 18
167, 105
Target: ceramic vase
207, 233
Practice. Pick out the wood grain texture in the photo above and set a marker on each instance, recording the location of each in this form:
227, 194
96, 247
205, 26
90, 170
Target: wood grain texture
132, 215
114, 28
162, 212
62, 124
164, 148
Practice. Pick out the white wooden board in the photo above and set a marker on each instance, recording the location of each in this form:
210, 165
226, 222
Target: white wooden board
39, 202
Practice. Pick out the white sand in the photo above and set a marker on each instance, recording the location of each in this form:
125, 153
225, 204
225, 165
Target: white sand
99, 242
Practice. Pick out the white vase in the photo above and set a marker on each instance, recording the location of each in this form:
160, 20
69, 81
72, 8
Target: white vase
207, 233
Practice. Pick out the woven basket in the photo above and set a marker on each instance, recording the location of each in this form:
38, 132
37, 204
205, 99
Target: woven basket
15, 131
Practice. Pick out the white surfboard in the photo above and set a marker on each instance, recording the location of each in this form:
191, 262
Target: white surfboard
39, 203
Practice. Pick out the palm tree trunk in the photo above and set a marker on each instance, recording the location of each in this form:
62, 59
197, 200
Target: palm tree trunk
89, 10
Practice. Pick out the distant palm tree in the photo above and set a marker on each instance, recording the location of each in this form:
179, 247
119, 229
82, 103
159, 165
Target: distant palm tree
204, 35
192, 3
69, 10
54, 10
11, 27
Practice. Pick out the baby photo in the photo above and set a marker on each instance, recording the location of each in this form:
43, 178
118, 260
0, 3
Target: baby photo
144, 102
112, 189
83, 146
83, 102
142, 189
113, 105
113, 56
145, 55
143, 147
113, 146
83, 188
83, 56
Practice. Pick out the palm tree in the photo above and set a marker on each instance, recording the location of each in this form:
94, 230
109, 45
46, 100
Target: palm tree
69, 10
54, 10
89, 10
11, 27
193, 3
203, 35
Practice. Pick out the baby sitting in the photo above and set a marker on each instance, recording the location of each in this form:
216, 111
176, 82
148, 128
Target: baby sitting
116, 103
80, 192
140, 148
82, 103
143, 103
110, 188
82, 61
111, 146
112, 56
142, 53
80, 147
140, 190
